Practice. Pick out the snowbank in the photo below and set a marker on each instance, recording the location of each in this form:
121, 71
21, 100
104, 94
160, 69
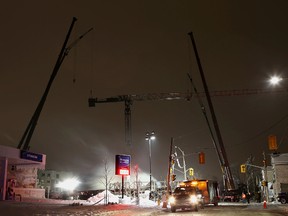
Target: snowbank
99, 199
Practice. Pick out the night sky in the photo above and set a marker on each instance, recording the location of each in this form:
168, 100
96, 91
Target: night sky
140, 47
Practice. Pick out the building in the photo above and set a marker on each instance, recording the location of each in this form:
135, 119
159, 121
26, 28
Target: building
48, 180
279, 163
18, 171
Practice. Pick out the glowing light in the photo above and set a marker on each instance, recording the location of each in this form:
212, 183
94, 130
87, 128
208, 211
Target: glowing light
193, 199
171, 199
150, 136
69, 184
194, 183
124, 172
274, 80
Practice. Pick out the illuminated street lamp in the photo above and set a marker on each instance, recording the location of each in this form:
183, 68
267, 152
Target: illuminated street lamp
150, 137
275, 80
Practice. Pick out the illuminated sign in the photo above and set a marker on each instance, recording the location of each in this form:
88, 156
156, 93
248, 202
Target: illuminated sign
122, 165
31, 156
124, 172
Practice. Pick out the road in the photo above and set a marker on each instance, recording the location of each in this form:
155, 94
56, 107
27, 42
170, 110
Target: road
23, 209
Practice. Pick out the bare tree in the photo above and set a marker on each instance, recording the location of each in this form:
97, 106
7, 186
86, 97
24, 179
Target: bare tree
136, 171
107, 178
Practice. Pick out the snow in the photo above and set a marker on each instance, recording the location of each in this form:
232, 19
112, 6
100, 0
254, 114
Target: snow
99, 199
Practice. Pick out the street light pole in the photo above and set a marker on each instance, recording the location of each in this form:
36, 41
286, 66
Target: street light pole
150, 163
184, 164
150, 137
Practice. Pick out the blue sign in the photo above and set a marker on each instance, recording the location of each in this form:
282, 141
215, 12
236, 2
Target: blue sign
31, 156
122, 164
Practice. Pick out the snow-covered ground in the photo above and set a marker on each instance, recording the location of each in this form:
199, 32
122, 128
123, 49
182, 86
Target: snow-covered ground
99, 199
95, 206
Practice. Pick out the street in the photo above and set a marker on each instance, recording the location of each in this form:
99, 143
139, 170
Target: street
24, 208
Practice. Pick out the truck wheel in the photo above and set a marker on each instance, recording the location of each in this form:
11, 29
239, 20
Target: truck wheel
283, 200
173, 209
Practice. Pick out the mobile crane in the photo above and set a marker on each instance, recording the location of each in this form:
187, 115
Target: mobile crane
219, 146
24, 143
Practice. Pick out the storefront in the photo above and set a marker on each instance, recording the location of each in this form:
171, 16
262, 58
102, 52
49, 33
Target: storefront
18, 173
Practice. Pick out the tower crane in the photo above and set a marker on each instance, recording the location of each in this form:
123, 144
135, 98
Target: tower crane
128, 101
130, 98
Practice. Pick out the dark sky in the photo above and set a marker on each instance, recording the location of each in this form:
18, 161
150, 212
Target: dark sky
140, 47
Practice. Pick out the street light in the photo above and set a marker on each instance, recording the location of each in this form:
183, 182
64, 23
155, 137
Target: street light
184, 164
150, 137
274, 80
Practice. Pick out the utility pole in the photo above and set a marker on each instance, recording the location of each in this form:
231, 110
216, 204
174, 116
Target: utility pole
169, 168
265, 177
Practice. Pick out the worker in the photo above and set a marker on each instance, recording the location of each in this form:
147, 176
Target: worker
10, 193
248, 196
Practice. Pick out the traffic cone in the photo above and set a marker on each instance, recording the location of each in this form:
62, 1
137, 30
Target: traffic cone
264, 204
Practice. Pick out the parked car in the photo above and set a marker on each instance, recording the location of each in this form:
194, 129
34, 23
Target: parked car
184, 197
282, 197
231, 196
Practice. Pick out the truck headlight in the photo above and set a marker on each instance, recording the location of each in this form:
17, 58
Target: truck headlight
171, 199
193, 199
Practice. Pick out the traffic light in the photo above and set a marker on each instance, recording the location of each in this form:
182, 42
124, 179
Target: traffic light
191, 171
201, 158
272, 142
264, 183
173, 177
172, 161
243, 168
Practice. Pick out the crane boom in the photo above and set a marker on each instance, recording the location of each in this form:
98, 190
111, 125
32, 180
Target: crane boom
25, 140
240, 92
128, 101
141, 97
24, 143
223, 159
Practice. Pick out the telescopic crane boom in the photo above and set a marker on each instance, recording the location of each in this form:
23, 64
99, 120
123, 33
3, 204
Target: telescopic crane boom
24, 143
222, 155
